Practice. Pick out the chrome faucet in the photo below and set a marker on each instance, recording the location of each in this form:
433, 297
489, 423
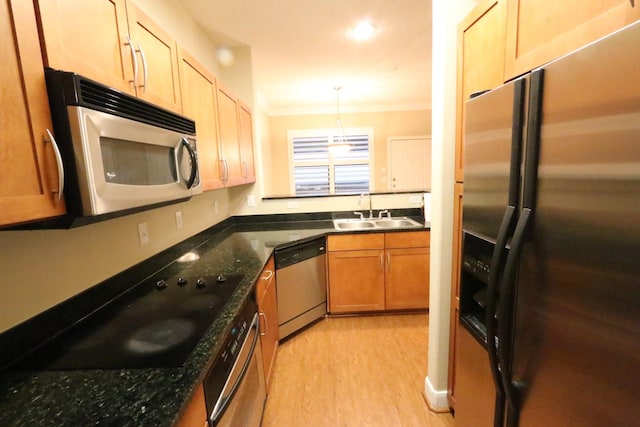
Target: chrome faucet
370, 204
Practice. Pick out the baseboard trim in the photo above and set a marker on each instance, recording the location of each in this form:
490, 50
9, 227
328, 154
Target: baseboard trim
436, 400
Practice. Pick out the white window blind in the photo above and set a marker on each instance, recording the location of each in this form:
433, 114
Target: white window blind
316, 170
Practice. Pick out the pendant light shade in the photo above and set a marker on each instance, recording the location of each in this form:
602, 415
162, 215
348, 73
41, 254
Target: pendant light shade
338, 143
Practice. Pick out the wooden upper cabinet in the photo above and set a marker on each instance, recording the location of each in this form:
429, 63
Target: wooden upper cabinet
113, 43
29, 173
157, 55
246, 143
198, 88
229, 132
481, 41
539, 31
88, 37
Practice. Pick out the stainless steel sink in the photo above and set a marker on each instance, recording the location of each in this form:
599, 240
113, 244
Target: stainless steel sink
352, 224
368, 224
394, 223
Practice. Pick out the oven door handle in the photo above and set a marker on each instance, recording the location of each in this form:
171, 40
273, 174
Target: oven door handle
229, 390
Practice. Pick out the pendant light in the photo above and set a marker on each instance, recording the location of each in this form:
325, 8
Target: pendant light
339, 143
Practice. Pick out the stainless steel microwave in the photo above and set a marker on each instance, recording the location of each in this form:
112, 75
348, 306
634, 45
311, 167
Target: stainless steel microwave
119, 153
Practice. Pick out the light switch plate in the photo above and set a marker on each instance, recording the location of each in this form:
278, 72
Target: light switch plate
178, 220
143, 233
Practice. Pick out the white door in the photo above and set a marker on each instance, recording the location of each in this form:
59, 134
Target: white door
409, 163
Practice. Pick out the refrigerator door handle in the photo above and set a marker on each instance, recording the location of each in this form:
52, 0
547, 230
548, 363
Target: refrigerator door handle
505, 310
534, 121
499, 253
497, 263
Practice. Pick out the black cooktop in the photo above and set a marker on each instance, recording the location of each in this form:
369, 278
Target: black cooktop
155, 325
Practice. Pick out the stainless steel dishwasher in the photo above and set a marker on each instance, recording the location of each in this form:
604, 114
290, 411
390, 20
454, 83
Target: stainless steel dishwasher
301, 284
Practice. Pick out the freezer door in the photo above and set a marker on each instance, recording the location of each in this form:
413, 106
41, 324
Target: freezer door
492, 145
576, 353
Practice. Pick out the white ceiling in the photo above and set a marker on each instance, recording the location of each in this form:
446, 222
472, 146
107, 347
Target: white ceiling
301, 50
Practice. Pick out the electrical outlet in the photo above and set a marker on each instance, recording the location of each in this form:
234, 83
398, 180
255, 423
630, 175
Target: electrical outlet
178, 220
143, 233
415, 199
251, 200
292, 205
216, 209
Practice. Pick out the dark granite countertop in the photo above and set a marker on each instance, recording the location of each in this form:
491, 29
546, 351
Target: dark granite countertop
152, 397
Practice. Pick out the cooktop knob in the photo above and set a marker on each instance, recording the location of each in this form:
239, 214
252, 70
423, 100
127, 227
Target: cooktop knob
200, 283
161, 284
182, 281
220, 278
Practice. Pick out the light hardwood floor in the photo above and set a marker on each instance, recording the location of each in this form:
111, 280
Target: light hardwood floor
353, 372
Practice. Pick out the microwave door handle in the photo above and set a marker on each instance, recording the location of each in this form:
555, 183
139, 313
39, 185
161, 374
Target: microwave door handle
56, 151
135, 61
194, 162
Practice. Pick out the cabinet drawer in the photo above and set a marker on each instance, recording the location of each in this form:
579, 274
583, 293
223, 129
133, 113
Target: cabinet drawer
407, 239
354, 242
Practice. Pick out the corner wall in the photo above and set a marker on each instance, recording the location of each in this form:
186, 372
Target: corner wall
446, 16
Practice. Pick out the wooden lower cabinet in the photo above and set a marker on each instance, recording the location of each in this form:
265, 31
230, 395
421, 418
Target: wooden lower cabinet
268, 311
195, 414
405, 273
356, 281
378, 272
456, 264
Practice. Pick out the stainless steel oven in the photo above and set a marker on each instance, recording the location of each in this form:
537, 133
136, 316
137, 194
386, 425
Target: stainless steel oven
234, 387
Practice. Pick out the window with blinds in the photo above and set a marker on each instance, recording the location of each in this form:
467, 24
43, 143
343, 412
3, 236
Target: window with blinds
316, 170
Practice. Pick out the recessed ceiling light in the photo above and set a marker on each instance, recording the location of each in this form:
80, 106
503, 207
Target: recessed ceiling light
363, 31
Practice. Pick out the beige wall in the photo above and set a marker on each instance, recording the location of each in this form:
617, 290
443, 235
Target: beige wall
384, 124
45, 267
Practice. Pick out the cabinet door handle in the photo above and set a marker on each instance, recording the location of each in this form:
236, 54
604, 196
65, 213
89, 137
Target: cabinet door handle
246, 168
226, 170
269, 276
145, 71
381, 262
56, 151
266, 324
388, 261
135, 61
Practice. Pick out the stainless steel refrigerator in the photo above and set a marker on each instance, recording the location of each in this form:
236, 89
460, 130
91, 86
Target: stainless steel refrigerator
549, 328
